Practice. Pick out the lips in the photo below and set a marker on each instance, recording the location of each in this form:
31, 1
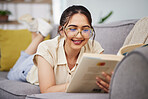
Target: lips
77, 42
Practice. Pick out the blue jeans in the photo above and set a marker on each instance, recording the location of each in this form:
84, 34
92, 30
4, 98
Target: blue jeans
21, 67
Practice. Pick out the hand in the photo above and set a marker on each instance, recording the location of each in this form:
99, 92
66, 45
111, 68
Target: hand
104, 84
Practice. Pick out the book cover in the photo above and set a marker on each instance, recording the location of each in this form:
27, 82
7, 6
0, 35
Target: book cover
91, 66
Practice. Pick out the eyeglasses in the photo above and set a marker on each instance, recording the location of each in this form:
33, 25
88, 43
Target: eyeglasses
86, 32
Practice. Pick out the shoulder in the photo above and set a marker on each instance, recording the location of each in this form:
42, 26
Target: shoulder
48, 49
51, 44
94, 46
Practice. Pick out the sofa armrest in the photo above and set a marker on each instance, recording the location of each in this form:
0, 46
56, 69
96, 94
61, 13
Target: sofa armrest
129, 80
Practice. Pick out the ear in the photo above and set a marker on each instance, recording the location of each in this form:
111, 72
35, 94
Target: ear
61, 31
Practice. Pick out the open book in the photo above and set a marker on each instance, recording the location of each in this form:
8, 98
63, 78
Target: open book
89, 67
92, 65
128, 48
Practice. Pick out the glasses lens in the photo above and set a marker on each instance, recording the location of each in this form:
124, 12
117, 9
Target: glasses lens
87, 32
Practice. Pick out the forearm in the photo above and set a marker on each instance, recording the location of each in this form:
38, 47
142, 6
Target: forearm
56, 88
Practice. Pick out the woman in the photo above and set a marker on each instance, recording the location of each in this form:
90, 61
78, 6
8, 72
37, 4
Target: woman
57, 59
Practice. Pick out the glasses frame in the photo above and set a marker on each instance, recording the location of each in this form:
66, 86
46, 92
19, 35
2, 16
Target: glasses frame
79, 32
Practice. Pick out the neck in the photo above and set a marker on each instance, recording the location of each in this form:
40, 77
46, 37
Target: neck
71, 56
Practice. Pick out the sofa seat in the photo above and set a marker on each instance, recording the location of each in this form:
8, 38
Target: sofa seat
20, 90
15, 89
63, 95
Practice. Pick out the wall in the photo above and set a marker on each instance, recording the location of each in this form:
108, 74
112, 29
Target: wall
122, 9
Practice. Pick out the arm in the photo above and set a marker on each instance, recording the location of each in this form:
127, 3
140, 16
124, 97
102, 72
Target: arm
46, 77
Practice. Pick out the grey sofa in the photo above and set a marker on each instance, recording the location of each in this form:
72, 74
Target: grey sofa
111, 36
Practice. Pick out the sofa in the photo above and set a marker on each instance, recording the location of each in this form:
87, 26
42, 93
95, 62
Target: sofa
111, 36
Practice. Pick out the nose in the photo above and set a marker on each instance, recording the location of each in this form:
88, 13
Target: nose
79, 35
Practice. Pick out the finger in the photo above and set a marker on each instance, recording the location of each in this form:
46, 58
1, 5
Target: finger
103, 83
107, 76
102, 87
112, 72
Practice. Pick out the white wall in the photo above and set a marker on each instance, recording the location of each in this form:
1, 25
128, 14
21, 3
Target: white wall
122, 9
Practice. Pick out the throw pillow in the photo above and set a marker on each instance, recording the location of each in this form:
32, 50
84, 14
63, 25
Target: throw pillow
12, 42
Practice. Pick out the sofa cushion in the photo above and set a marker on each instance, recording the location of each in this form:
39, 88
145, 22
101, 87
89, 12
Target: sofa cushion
16, 90
130, 76
111, 36
12, 42
63, 95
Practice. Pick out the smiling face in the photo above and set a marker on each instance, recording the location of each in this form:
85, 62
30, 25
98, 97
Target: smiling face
79, 22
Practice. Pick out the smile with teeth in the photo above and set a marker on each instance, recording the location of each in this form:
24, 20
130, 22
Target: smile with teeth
77, 42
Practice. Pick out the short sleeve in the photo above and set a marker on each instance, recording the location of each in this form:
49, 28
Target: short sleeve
44, 51
97, 48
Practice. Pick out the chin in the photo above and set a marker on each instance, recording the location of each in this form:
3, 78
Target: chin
77, 47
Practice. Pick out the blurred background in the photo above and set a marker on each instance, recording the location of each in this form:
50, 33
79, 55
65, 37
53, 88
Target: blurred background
103, 11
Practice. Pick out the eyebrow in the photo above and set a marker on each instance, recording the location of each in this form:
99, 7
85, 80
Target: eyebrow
77, 26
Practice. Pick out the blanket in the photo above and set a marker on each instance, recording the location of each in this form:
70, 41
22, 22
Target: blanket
139, 33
